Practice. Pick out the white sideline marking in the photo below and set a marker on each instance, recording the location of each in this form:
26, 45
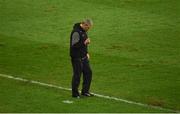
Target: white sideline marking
98, 95
67, 102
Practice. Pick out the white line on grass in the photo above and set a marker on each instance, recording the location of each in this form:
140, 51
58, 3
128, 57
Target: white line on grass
98, 95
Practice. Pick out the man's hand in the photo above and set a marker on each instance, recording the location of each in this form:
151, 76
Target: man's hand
87, 41
88, 56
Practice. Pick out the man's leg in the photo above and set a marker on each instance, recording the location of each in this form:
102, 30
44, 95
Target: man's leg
87, 76
77, 69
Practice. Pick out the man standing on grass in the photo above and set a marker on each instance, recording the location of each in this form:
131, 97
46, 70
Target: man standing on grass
79, 42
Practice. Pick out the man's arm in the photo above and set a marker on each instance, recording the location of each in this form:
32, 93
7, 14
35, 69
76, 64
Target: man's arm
75, 42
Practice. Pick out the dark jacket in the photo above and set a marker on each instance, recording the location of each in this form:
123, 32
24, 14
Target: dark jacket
77, 47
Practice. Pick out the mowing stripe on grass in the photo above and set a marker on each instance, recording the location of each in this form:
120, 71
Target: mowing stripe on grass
98, 95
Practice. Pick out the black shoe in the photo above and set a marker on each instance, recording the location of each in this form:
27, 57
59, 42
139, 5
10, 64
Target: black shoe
87, 94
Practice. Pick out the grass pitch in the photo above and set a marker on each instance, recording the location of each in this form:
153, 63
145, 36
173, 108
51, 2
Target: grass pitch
135, 53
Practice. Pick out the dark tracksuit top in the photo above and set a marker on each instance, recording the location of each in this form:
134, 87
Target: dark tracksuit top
77, 47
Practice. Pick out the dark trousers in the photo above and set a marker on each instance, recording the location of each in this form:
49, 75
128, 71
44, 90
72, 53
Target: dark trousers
81, 66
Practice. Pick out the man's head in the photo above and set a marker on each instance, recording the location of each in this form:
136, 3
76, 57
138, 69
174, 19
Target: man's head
86, 24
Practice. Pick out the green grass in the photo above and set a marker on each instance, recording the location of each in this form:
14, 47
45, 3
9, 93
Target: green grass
135, 53
25, 97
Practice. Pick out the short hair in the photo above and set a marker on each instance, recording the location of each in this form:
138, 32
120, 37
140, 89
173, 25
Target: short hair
87, 21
